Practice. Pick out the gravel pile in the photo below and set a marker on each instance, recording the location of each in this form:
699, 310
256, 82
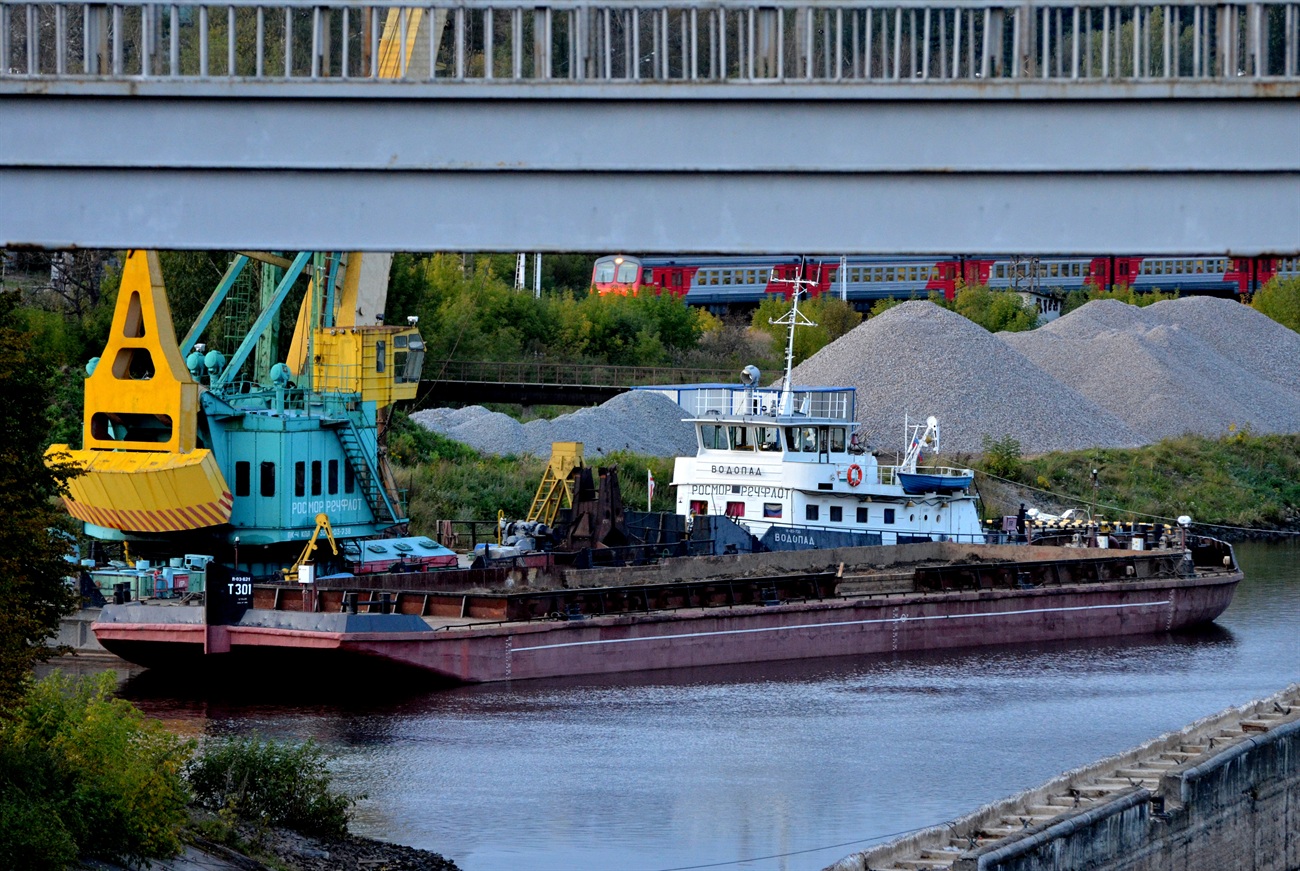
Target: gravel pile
1195, 365
1105, 375
646, 423
919, 359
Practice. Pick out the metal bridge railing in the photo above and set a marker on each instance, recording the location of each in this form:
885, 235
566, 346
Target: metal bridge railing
540, 372
754, 42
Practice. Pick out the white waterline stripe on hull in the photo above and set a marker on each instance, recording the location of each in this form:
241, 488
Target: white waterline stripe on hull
844, 623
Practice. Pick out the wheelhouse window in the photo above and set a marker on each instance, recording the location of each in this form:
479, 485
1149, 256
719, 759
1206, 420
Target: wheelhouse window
768, 438
742, 438
801, 439
713, 437
837, 439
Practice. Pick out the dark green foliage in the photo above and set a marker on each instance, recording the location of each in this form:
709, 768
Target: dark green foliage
270, 784
33, 595
469, 311
84, 774
1280, 300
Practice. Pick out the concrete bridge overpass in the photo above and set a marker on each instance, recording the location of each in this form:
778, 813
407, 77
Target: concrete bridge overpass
543, 383
680, 126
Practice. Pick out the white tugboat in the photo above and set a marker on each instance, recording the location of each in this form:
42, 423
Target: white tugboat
788, 465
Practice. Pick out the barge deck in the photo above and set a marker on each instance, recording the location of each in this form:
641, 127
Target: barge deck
855, 601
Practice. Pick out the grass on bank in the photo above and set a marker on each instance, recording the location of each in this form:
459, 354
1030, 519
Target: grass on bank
1241, 479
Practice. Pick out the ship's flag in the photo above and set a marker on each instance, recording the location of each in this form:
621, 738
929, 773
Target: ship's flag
650, 487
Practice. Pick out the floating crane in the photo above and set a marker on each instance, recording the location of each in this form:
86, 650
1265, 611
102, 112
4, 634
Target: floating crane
187, 450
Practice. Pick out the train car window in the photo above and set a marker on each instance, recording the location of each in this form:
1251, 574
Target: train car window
604, 271
889, 273
1054, 270
627, 272
677, 278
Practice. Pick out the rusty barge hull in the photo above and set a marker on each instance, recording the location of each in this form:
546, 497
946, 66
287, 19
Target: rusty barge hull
476, 651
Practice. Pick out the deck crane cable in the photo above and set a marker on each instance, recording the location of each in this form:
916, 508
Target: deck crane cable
1123, 510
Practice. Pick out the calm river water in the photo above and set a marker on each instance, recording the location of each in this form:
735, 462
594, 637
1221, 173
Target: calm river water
777, 766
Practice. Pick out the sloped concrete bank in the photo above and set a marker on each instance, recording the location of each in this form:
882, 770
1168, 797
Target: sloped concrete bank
1222, 793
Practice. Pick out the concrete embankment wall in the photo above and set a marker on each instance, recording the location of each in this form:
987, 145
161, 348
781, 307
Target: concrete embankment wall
1235, 806
75, 632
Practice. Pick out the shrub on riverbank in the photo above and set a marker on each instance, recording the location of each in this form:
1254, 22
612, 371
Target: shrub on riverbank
271, 784
85, 774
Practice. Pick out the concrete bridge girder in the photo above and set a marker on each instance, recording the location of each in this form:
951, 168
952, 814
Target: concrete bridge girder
1147, 168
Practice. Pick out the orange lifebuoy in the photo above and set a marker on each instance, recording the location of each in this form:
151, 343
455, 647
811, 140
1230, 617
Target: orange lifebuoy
855, 475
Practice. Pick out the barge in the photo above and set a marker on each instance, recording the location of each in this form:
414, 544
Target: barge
698, 611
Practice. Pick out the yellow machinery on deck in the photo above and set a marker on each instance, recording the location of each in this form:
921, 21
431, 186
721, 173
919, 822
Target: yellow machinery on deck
556, 489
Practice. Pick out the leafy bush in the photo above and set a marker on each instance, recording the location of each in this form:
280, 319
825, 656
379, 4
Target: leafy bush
84, 774
1280, 300
1002, 457
1078, 298
995, 311
271, 784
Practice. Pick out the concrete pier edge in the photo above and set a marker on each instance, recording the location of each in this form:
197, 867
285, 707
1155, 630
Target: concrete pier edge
990, 852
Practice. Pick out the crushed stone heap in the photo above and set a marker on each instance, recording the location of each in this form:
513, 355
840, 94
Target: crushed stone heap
919, 359
638, 421
1195, 365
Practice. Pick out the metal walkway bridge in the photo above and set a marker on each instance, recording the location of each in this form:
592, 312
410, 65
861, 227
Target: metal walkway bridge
544, 383
906, 126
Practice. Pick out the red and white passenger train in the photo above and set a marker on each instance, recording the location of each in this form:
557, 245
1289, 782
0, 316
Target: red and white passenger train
726, 282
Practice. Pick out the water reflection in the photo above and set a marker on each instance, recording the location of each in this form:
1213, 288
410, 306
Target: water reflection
722, 765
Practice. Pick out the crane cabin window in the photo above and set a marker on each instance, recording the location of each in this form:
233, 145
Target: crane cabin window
243, 473
267, 484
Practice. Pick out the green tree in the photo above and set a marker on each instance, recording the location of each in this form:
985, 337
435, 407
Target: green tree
33, 594
1280, 300
833, 318
995, 311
